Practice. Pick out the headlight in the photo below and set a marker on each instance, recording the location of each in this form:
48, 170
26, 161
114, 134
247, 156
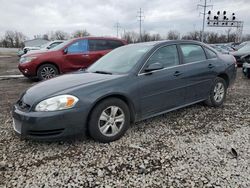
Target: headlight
27, 59
60, 102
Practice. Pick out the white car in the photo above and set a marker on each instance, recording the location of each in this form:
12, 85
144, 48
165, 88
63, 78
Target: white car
43, 47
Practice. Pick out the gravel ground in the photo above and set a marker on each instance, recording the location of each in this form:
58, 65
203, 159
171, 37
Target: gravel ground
196, 146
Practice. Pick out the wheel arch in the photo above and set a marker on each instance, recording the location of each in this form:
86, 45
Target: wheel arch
225, 77
119, 96
48, 62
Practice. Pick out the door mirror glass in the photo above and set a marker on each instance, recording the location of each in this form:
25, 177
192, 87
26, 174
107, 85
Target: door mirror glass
153, 67
65, 51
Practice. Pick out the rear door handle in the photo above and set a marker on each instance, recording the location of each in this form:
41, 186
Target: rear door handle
177, 73
210, 66
85, 55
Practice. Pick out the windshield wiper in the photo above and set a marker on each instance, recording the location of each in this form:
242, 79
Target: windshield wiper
102, 72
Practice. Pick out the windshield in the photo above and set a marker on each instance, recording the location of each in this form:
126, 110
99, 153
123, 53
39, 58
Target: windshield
120, 60
59, 46
45, 45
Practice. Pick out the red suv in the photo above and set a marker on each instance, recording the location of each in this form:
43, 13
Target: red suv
69, 56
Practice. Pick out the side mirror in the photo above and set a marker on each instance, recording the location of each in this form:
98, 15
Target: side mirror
65, 51
48, 47
153, 67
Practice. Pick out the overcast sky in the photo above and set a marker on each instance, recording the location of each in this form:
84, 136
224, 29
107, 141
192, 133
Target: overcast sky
99, 16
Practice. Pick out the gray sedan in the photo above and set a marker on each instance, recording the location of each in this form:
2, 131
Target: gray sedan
129, 84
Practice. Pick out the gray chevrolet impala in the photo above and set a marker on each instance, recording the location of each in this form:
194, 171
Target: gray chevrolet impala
129, 84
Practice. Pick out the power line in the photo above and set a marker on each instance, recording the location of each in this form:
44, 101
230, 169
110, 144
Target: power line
140, 19
117, 26
204, 6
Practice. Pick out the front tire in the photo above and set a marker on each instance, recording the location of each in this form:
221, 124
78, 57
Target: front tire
109, 120
47, 71
217, 93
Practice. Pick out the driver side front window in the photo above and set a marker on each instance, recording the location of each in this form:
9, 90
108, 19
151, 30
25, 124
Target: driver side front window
79, 46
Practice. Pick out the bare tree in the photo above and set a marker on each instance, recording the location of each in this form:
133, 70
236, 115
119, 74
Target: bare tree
131, 37
19, 39
194, 35
58, 35
173, 35
81, 33
145, 37
156, 37
212, 38
13, 39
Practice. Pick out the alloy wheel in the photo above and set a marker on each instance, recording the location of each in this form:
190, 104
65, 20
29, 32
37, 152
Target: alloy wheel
219, 92
111, 121
48, 72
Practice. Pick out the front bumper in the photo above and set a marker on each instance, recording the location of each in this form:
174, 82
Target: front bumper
49, 125
27, 70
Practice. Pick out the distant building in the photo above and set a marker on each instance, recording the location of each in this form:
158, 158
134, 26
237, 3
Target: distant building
35, 42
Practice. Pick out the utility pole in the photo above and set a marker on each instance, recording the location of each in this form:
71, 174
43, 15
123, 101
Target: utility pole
204, 6
140, 19
117, 26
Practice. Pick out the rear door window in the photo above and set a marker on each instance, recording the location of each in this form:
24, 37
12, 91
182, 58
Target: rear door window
79, 46
192, 53
98, 45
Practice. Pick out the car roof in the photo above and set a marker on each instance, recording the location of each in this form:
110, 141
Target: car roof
156, 43
93, 37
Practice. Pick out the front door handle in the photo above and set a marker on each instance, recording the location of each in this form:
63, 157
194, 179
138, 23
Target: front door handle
177, 73
210, 66
85, 55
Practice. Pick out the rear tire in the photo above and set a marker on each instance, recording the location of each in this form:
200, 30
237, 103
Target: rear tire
217, 93
47, 71
109, 120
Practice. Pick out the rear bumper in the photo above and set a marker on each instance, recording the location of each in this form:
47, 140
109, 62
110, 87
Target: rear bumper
47, 126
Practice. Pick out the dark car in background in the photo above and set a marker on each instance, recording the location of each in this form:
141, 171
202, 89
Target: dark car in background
246, 65
227, 47
66, 57
129, 84
219, 49
240, 53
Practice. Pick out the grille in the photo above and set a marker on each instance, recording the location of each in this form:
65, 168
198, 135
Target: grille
46, 132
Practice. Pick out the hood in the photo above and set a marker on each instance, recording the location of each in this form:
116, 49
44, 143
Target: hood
37, 51
239, 53
67, 82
